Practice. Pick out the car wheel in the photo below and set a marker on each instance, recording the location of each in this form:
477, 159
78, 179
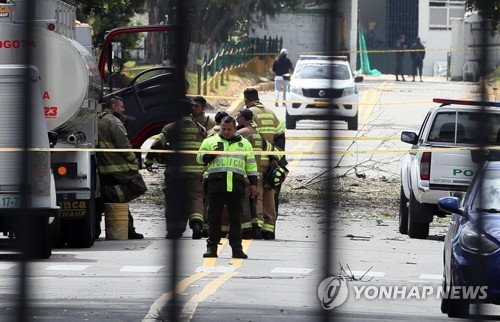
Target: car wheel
352, 123
417, 229
444, 300
403, 213
457, 307
291, 122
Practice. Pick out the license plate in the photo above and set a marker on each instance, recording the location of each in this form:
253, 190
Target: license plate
4, 11
10, 201
322, 103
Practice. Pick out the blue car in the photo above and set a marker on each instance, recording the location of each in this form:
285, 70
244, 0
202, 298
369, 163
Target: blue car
472, 244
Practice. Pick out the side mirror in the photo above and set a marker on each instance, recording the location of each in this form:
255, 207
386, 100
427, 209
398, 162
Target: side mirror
53, 137
450, 205
358, 79
409, 137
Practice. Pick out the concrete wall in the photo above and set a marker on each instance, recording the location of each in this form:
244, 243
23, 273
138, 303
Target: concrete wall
311, 33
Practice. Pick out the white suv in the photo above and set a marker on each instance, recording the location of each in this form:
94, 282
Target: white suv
321, 88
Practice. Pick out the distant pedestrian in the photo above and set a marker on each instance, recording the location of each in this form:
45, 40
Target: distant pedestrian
417, 57
400, 54
281, 66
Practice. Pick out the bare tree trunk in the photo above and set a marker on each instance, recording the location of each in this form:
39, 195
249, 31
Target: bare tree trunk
154, 44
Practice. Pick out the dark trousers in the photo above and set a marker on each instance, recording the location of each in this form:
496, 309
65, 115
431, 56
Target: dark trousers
216, 202
417, 66
399, 66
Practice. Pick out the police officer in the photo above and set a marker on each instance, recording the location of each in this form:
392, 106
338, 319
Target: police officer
119, 174
191, 134
226, 183
269, 126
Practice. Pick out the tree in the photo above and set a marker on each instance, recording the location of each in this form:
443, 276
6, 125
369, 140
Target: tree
488, 9
210, 22
104, 15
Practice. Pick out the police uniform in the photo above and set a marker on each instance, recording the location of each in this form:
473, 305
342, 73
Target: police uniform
226, 186
204, 120
190, 138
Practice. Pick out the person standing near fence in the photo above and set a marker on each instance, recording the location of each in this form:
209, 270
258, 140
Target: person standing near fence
281, 66
417, 57
400, 54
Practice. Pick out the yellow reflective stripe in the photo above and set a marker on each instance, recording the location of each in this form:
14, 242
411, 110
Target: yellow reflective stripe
252, 173
119, 193
268, 227
224, 228
246, 225
196, 216
106, 169
229, 181
188, 169
191, 145
226, 169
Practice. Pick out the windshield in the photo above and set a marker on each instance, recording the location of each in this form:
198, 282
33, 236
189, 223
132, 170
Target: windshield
490, 191
322, 71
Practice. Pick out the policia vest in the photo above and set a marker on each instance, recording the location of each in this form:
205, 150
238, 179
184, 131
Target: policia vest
226, 172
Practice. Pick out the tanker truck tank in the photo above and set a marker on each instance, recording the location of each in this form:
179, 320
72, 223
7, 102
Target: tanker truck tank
70, 79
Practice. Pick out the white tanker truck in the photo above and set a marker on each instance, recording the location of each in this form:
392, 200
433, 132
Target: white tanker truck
66, 96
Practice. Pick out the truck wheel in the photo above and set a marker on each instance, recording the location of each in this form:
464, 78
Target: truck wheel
352, 123
35, 237
290, 121
403, 213
417, 229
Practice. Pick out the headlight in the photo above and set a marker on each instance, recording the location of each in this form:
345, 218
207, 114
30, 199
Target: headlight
350, 91
475, 241
296, 90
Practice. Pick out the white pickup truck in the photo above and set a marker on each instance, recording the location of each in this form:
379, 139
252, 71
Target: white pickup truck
440, 163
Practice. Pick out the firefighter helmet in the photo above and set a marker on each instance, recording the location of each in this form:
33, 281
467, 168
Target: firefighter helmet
275, 176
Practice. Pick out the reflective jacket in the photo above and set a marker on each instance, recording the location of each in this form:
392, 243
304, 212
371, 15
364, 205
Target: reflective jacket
191, 135
249, 132
226, 172
112, 135
268, 125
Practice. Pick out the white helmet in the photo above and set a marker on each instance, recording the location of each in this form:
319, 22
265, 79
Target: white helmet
284, 51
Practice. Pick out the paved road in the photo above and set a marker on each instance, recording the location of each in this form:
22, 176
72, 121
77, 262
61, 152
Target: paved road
130, 280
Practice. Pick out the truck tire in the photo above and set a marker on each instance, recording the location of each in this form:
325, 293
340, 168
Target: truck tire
403, 213
291, 122
352, 123
417, 228
35, 237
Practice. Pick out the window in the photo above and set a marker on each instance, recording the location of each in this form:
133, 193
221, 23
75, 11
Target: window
441, 11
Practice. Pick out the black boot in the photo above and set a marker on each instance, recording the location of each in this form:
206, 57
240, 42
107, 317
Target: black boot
238, 253
246, 234
196, 227
211, 252
135, 235
257, 234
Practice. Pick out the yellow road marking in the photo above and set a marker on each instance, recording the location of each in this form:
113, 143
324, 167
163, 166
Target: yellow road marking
301, 147
181, 287
209, 289
237, 262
